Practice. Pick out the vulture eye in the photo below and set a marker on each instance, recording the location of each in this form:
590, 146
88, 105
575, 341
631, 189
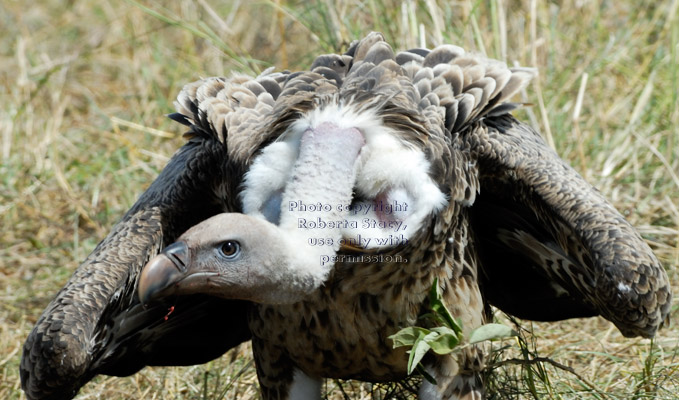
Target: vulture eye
230, 248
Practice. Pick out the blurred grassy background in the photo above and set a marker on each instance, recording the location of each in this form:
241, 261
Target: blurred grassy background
86, 84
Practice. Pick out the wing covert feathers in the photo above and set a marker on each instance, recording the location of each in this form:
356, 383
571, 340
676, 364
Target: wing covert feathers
447, 86
60, 346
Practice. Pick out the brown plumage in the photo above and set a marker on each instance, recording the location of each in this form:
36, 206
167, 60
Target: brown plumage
96, 325
495, 215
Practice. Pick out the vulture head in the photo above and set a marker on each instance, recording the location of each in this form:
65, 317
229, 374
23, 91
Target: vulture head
409, 169
233, 256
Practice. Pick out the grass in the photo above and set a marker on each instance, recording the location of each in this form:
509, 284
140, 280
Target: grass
85, 87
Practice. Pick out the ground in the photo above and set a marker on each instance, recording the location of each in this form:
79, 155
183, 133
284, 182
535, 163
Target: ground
86, 87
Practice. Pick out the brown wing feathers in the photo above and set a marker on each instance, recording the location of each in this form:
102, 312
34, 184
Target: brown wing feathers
585, 245
95, 324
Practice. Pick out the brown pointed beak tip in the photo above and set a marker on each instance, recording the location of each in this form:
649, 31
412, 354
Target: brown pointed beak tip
162, 272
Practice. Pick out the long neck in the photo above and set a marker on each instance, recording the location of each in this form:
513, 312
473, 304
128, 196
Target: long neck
314, 202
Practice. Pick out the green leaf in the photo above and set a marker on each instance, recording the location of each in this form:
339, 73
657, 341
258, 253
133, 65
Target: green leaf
444, 343
491, 332
408, 336
420, 348
440, 309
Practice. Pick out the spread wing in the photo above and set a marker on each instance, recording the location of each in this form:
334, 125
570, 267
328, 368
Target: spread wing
95, 324
551, 246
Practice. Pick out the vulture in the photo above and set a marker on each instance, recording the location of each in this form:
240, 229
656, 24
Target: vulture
311, 212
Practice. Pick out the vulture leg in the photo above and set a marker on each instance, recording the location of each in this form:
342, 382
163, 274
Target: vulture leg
274, 370
551, 247
96, 324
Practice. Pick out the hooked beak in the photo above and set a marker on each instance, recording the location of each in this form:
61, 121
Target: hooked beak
163, 272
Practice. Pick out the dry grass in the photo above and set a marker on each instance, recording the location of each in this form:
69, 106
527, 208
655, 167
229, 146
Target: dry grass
82, 132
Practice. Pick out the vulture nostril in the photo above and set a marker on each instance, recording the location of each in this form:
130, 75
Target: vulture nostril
179, 262
178, 252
